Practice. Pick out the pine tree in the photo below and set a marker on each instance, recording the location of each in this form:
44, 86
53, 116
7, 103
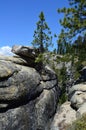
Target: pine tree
42, 35
63, 45
74, 21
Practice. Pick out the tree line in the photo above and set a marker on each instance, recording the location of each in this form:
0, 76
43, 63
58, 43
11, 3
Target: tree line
72, 38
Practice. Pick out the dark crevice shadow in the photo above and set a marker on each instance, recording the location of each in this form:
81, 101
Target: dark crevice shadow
18, 103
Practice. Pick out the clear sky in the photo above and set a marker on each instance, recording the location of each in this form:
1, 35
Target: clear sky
18, 19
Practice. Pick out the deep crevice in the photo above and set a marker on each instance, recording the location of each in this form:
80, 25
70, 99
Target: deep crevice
49, 79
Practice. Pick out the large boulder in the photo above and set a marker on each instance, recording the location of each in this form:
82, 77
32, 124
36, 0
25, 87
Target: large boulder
78, 87
27, 53
78, 99
64, 117
28, 98
77, 95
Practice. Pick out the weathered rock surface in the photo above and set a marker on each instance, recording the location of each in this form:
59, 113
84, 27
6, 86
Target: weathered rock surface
73, 109
29, 94
64, 117
77, 95
28, 99
78, 87
78, 99
28, 54
81, 110
25, 51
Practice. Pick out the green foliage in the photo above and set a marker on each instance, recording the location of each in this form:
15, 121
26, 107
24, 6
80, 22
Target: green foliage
84, 63
63, 78
76, 75
74, 20
74, 29
42, 35
63, 98
79, 124
62, 83
78, 66
40, 58
63, 74
66, 58
80, 48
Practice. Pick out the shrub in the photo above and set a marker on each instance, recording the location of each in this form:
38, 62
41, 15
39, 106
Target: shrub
79, 124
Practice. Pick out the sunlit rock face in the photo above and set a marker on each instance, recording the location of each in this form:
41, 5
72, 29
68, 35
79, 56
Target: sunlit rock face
28, 97
29, 93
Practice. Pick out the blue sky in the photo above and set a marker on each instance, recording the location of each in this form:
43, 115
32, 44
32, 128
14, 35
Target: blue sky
18, 19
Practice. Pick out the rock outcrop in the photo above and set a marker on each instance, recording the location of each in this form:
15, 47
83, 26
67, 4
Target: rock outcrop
28, 54
74, 108
63, 117
28, 97
25, 51
29, 93
77, 95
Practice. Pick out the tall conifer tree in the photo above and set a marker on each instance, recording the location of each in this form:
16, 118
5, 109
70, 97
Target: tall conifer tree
42, 35
74, 20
